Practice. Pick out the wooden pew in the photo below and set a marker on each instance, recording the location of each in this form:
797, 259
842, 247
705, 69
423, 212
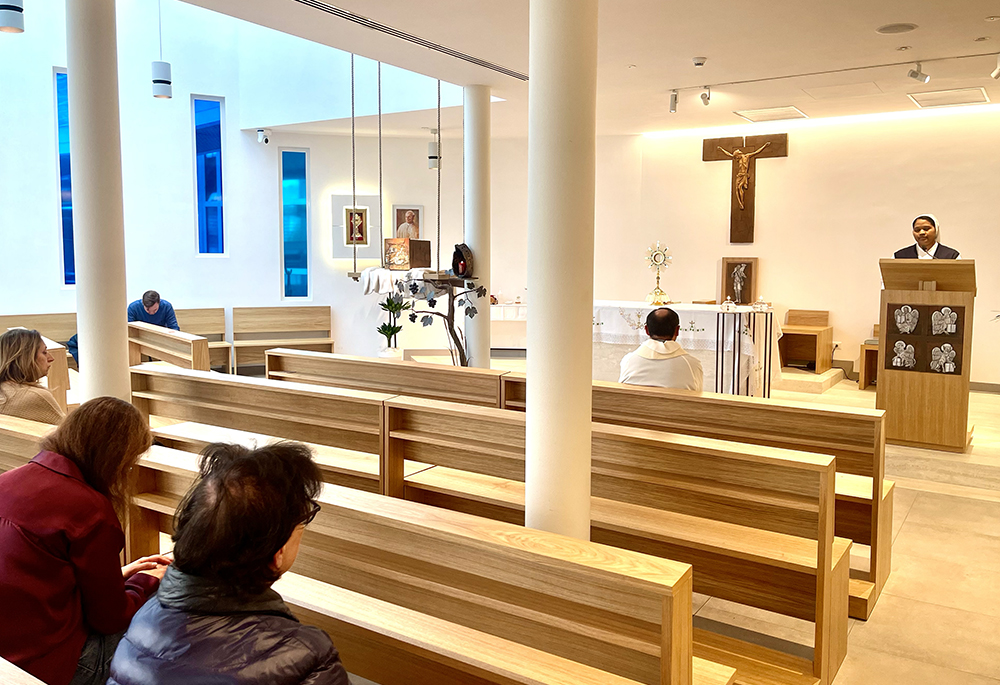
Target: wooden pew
564, 597
58, 327
406, 572
433, 381
256, 329
344, 426
755, 522
854, 436
12, 675
210, 324
186, 350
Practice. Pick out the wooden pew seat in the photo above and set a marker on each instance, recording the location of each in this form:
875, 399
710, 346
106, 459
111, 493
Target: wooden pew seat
754, 545
12, 675
393, 645
339, 466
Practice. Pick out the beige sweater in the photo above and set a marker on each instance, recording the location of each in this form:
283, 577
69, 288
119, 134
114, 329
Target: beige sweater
29, 401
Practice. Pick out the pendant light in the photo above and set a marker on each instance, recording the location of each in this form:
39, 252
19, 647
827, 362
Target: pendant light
162, 82
12, 16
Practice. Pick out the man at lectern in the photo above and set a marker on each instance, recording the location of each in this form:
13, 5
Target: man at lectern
925, 233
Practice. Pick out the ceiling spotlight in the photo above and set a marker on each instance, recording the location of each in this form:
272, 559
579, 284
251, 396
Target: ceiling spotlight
996, 72
699, 61
12, 16
904, 48
918, 74
706, 97
673, 102
162, 82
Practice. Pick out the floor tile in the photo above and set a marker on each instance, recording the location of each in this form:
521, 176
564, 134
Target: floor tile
947, 583
698, 601
871, 667
956, 512
902, 500
937, 635
948, 544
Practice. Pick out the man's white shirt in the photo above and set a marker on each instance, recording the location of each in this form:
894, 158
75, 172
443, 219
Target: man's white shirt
407, 230
662, 364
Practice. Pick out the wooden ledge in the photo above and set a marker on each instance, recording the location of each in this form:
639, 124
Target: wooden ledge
277, 342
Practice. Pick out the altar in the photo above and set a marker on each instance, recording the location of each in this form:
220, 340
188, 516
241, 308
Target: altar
735, 348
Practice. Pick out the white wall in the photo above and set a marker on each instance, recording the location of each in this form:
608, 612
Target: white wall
842, 199
158, 164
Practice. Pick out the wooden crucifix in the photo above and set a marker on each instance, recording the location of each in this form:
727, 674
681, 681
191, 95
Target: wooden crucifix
744, 153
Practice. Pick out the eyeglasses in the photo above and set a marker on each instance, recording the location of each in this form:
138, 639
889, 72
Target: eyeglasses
313, 510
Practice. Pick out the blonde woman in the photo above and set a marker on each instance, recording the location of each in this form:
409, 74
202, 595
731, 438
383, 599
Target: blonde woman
23, 361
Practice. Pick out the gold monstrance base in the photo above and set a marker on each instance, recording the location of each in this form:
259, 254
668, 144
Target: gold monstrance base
657, 297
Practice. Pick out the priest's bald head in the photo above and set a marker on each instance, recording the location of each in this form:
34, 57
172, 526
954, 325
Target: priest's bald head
663, 324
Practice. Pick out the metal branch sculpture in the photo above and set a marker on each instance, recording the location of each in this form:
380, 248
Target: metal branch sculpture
461, 300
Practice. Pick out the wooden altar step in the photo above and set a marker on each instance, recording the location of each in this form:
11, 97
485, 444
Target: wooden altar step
799, 380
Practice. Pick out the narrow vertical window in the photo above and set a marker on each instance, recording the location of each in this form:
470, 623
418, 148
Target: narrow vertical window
208, 152
65, 182
294, 224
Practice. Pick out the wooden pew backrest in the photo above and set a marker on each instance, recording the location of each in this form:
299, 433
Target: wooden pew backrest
186, 350
58, 327
351, 419
209, 323
433, 381
303, 321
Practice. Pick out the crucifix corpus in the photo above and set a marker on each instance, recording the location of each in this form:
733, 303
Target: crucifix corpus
744, 153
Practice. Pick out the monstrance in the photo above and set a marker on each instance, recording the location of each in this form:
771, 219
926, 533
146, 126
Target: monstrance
658, 258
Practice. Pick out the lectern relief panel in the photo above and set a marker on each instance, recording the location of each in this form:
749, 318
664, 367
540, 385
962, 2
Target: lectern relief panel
924, 338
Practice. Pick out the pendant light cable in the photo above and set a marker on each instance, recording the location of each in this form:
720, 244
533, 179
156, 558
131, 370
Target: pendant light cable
354, 176
159, 24
439, 177
381, 202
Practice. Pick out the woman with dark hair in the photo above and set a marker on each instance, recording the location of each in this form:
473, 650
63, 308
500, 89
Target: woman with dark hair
23, 361
215, 618
926, 230
66, 600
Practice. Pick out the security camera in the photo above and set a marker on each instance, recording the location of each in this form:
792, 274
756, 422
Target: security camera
699, 61
264, 135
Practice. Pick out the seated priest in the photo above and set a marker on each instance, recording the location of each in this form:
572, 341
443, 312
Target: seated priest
661, 361
151, 309
215, 618
925, 232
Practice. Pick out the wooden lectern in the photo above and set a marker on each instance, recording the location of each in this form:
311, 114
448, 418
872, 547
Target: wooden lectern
925, 351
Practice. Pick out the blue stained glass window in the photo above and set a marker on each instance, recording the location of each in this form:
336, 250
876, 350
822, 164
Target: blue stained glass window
208, 149
65, 184
295, 224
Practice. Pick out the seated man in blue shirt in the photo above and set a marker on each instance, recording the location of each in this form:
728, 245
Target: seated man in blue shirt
151, 309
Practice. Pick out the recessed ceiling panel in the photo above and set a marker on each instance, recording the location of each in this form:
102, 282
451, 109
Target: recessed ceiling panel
950, 98
771, 114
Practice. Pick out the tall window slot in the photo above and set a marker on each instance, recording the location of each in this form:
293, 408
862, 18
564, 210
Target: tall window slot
65, 182
294, 224
208, 152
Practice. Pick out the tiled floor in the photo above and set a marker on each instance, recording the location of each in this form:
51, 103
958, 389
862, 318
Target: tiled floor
938, 620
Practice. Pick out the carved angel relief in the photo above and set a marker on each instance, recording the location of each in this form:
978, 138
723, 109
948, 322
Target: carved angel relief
904, 355
906, 319
944, 322
943, 358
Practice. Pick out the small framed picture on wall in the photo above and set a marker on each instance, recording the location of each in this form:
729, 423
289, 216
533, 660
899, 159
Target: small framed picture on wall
739, 279
407, 220
356, 226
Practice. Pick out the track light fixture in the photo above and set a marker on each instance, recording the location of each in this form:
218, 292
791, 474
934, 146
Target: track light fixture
12, 16
918, 74
996, 72
673, 102
706, 96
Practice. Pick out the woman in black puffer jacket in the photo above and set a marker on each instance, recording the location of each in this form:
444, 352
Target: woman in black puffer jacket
215, 618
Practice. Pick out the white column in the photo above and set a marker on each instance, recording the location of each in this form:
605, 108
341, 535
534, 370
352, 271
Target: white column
562, 96
477, 216
98, 216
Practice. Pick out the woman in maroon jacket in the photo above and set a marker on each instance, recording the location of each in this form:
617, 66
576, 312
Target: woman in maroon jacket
65, 598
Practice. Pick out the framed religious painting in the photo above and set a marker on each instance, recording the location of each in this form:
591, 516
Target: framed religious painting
739, 279
407, 221
356, 226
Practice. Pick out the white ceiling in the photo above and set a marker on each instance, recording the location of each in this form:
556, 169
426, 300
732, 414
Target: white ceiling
742, 41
